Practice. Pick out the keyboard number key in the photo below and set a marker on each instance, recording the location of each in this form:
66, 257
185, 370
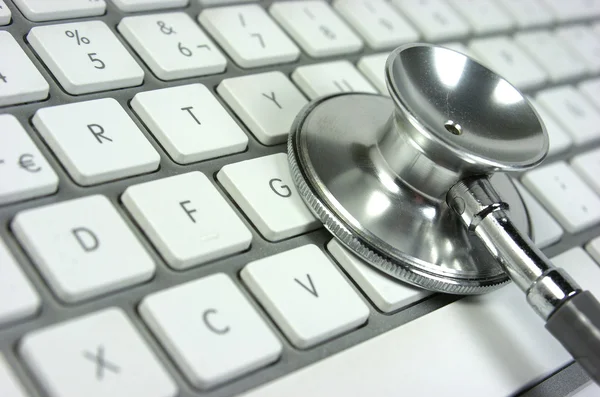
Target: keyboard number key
572, 202
316, 27
146, 5
24, 171
267, 103
44, 10
101, 354
85, 57
211, 330
20, 81
306, 295
5, 14
264, 189
378, 22
434, 18
249, 35
172, 45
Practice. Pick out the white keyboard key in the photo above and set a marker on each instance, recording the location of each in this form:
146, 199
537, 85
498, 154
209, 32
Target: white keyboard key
95, 355
79, 246
578, 117
560, 141
373, 67
434, 18
85, 57
587, 165
552, 55
509, 60
528, 13
387, 294
264, 190
330, 78
546, 231
249, 35
378, 22
584, 42
23, 169
484, 16
596, 28
146, 5
9, 384
186, 205
20, 81
222, 2
570, 200
593, 248
492, 345
96, 141
306, 295
591, 88
5, 14
573, 10
211, 330
18, 298
189, 122
44, 10
172, 45
316, 27
267, 103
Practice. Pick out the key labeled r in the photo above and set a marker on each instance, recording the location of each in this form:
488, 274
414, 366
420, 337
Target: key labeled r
98, 132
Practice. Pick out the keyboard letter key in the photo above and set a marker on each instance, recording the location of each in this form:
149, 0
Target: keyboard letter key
578, 117
189, 122
267, 103
83, 248
172, 45
249, 35
96, 140
211, 330
264, 189
322, 79
18, 299
20, 81
387, 294
24, 172
306, 295
434, 18
85, 57
573, 203
100, 354
187, 219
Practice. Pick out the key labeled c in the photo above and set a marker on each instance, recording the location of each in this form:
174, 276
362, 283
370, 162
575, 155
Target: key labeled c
206, 317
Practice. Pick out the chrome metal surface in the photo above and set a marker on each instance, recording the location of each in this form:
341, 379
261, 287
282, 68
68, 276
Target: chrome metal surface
455, 118
338, 163
487, 216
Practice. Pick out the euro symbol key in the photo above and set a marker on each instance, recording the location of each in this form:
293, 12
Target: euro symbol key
26, 162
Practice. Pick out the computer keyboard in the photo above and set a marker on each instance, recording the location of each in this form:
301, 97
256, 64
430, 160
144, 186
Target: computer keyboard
152, 242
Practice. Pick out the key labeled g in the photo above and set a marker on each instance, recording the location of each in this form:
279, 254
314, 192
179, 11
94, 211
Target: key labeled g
279, 188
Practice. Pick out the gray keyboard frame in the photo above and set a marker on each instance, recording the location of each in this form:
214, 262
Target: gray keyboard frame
563, 383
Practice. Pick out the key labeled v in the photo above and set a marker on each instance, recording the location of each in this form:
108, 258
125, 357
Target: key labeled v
310, 288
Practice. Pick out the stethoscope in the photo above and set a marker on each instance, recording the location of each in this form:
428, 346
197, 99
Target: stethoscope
411, 185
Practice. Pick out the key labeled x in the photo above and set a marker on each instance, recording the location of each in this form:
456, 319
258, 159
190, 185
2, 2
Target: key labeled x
101, 363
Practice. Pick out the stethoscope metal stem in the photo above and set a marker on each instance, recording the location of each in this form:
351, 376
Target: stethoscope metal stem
486, 215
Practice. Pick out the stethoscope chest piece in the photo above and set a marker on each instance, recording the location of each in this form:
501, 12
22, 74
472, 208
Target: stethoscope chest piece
414, 185
375, 170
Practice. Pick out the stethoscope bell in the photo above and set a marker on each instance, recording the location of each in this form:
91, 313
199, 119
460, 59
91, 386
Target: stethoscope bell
415, 185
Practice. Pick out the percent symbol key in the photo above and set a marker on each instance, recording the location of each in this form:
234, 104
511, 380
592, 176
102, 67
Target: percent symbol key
85, 57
